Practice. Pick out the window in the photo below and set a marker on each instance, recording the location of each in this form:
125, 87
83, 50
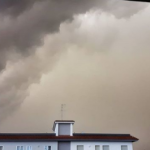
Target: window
105, 147
19, 147
29, 148
80, 147
124, 147
47, 147
1, 147
97, 147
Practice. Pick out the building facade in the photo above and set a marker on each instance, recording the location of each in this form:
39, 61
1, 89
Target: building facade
63, 138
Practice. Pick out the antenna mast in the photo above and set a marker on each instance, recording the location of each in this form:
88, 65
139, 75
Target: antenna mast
62, 111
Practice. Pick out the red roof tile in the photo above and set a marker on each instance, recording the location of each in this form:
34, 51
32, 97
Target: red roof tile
76, 137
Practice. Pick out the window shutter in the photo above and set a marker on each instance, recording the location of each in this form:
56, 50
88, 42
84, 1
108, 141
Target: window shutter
105, 147
80, 147
124, 147
97, 147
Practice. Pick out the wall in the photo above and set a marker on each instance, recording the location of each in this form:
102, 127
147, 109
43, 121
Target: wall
35, 145
54, 145
91, 145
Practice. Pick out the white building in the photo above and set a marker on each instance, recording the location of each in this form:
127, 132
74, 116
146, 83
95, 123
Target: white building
65, 139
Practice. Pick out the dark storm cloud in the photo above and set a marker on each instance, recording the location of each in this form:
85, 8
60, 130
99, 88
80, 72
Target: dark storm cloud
24, 23
15, 7
23, 29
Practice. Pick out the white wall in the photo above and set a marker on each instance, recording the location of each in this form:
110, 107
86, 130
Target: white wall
35, 145
56, 129
91, 145
54, 145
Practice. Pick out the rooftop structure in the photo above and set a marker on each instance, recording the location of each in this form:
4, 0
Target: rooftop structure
63, 138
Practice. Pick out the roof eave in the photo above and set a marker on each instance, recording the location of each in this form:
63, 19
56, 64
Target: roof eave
79, 140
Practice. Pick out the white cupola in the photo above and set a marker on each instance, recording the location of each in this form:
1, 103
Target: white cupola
63, 127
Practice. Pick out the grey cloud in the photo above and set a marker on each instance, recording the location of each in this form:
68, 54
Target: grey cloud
15, 7
102, 33
28, 51
27, 29
25, 23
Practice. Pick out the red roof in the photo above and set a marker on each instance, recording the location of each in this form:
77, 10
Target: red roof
76, 137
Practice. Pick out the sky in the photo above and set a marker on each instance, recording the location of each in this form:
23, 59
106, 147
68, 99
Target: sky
92, 56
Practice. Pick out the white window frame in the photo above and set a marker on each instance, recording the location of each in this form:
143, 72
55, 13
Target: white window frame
105, 145
19, 146
80, 145
28, 147
46, 147
124, 145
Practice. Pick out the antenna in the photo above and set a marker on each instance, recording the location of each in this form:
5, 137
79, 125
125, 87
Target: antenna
62, 111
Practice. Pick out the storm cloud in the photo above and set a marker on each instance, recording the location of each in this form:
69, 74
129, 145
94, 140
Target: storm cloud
75, 52
23, 28
25, 23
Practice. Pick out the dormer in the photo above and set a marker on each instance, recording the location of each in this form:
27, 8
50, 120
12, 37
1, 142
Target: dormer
63, 127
